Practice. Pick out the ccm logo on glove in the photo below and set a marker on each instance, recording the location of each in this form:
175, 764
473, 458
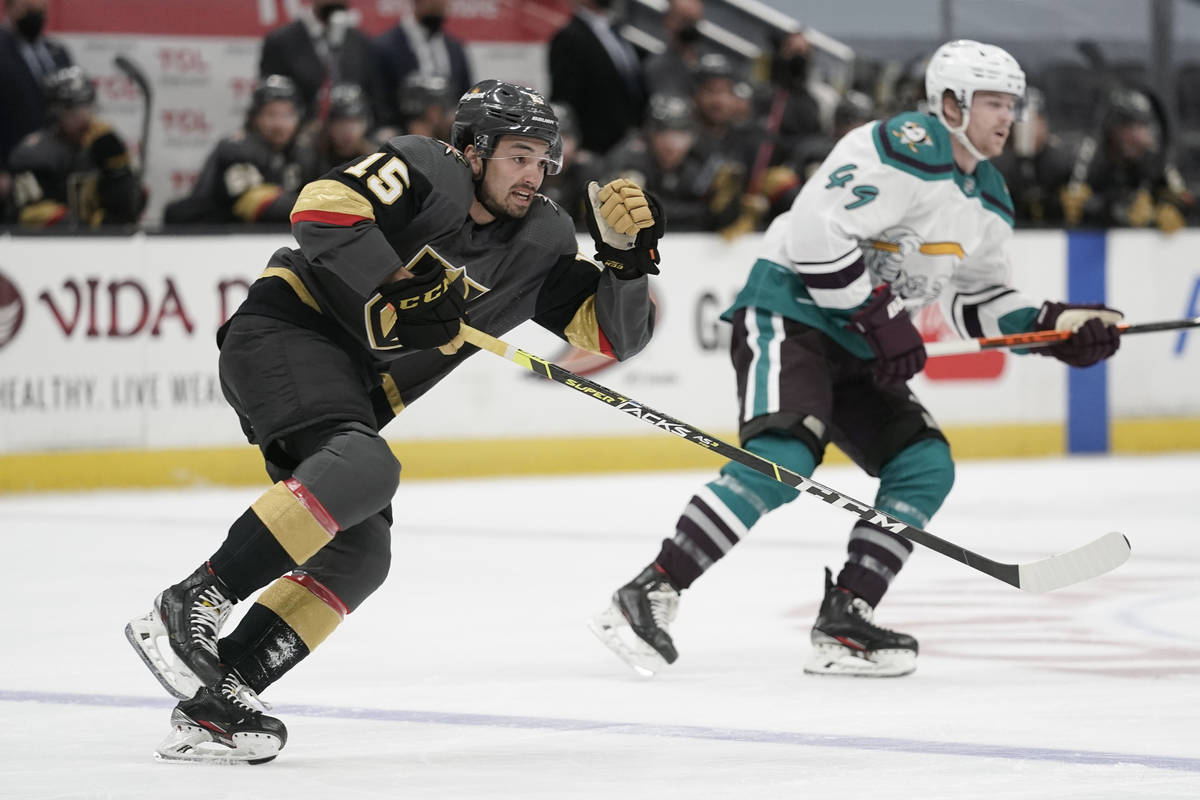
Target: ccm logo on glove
425, 311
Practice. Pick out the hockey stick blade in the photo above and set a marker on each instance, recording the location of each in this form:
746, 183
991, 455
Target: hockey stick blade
1089, 561
1095, 558
1044, 338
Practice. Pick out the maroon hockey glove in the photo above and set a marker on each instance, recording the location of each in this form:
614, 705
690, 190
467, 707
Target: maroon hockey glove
429, 310
1095, 336
884, 322
626, 224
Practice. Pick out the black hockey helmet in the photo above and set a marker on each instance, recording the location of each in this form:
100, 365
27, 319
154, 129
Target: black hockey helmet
669, 112
855, 108
418, 93
713, 66
272, 88
1128, 106
568, 123
491, 109
348, 101
68, 88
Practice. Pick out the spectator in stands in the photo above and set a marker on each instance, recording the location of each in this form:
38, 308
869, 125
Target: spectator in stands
27, 57
419, 45
343, 136
320, 49
1036, 166
255, 175
568, 187
426, 105
1126, 179
795, 112
597, 73
724, 130
75, 171
699, 188
670, 72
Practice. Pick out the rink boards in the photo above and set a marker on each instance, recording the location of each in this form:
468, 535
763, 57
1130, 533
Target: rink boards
109, 367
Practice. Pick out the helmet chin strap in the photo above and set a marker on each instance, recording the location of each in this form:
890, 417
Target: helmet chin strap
960, 133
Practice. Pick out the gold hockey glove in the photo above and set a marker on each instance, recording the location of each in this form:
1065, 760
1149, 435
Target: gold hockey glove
625, 223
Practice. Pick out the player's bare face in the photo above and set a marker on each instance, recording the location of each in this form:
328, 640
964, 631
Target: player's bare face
991, 121
514, 174
277, 122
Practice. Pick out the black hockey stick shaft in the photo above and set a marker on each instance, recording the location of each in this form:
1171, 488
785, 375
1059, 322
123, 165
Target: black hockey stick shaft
1045, 338
1013, 574
138, 76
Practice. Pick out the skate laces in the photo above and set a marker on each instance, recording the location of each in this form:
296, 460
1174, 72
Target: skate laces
208, 613
664, 603
863, 610
242, 695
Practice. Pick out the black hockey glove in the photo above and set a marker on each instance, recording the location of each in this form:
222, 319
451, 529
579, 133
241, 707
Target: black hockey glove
884, 321
105, 148
1095, 336
429, 310
626, 224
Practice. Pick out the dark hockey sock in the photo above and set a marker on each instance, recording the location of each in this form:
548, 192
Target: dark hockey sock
874, 558
284, 625
707, 530
280, 531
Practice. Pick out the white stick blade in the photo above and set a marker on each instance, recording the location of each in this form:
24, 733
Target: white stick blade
1083, 563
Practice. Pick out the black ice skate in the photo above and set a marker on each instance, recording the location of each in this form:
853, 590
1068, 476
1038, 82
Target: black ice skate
225, 725
178, 638
846, 642
635, 625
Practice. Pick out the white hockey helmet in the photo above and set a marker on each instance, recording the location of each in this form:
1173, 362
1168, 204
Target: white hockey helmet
964, 67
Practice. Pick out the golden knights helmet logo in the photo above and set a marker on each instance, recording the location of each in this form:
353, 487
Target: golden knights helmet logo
379, 314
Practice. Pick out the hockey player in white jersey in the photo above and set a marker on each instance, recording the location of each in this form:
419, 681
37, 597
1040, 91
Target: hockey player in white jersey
903, 213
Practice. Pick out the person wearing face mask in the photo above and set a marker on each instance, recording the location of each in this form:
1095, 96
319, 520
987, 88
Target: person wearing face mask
669, 73
27, 58
319, 50
419, 44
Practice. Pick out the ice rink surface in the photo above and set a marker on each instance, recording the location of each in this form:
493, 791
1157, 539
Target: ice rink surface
471, 673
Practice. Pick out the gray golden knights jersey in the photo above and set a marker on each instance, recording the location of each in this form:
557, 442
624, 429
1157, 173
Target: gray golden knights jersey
408, 204
889, 205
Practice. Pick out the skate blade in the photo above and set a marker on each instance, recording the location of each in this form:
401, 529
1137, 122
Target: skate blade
611, 628
191, 744
149, 639
836, 659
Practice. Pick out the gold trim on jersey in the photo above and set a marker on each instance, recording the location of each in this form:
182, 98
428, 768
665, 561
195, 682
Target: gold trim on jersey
392, 392
251, 202
330, 195
928, 248
293, 280
584, 329
42, 213
308, 615
293, 526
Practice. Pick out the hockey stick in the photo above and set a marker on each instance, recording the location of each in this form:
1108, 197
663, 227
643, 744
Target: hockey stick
135, 74
1043, 338
1064, 569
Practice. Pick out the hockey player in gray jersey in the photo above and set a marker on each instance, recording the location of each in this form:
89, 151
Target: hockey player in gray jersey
337, 336
903, 213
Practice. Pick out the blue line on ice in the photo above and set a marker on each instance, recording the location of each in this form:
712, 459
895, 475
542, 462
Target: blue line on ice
876, 743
